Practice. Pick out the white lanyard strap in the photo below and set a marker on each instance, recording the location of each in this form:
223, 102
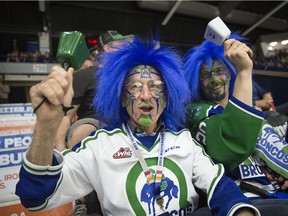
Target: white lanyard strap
160, 163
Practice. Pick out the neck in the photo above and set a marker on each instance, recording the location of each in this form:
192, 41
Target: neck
223, 103
148, 130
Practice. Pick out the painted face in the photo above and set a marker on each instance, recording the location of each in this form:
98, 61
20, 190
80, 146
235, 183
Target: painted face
144, 96
215, 81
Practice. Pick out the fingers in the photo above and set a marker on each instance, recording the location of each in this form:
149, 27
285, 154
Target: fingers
70, 92
233, 47
239, 56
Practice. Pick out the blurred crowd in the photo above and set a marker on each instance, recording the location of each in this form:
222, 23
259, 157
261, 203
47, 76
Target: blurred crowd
276, 61
37, 56
27, 56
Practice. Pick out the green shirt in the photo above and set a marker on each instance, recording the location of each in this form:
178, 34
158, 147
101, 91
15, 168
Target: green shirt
228, 134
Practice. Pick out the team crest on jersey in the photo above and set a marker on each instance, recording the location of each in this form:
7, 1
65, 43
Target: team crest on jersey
196, 112
272, 149
123, 153
142, 195
168, 189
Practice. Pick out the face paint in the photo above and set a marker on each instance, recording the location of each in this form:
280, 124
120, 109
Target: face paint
213, 77
145, 97
218, 95
213, 85
215, 70
132, 98
145, 120
157, 99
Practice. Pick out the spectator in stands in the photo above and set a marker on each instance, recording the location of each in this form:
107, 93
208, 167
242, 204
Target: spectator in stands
223, 121
13, 57
94, 52
140, 97
84, 84
263, 99
26, 56
4, 90
87, 63
84, 90
36, 56
46, 58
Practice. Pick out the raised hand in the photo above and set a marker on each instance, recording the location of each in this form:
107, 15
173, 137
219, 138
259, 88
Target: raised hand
238, 54
53, 92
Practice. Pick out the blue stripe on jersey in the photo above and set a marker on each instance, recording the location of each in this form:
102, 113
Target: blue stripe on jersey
246, 107
147, 141
33, 190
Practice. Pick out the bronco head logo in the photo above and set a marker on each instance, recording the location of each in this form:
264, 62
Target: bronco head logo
168, 188
271, 135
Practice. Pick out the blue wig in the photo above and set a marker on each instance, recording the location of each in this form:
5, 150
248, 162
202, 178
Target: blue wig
206, 53
117, 64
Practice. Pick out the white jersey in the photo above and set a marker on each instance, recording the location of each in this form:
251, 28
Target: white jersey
106, 162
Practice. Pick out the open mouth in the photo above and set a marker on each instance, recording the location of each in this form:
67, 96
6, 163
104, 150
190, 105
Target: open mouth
146, 109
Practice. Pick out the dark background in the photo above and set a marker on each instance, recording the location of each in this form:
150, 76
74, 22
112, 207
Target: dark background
22, 20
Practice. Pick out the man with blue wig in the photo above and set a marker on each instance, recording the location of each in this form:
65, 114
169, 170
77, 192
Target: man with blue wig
145, 162
222, 119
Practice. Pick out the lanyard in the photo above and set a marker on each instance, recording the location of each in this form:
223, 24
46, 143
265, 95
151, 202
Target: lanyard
159, 169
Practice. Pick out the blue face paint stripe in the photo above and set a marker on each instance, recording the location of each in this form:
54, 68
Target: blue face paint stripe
150, 116
155, 73
157, 104
138, 72
132, 98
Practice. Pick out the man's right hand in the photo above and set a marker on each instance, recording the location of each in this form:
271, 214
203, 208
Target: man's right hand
56, 90
239, 55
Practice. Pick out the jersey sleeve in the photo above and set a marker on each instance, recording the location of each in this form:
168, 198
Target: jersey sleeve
223, 195
45, 187
228, 134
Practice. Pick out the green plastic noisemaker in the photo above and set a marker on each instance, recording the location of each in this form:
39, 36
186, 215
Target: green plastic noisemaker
72, 50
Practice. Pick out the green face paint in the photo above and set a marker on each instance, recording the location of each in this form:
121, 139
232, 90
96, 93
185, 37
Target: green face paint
213, 77
214, 88
215, 70
215, 95
146, 102
162, 101
145, 120
128, 101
